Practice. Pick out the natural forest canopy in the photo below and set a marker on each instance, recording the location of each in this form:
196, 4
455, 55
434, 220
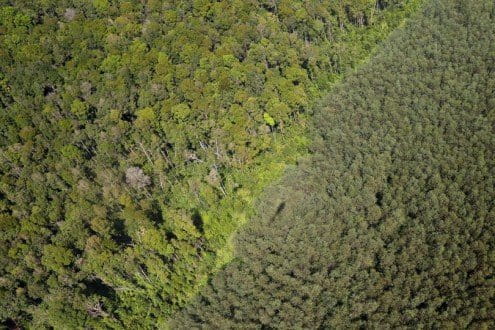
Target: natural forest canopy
134, 136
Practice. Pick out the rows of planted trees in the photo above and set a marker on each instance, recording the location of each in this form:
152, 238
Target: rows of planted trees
134, 135
391, 224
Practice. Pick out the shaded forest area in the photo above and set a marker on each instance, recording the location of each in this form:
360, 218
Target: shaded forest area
391, 223
134, 136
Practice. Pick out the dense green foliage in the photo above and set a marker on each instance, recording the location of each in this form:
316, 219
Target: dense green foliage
391, 224
134, 135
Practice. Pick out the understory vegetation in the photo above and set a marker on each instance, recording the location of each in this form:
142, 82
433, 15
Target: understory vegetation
135, 135
391, 222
